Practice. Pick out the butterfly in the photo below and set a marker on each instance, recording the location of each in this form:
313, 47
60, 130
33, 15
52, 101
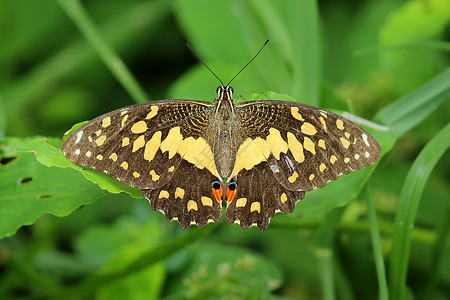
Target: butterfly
188, 156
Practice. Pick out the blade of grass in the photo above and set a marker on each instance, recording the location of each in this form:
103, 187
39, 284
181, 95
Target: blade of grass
407, 209
75, 11
303, 22
376, 244
77, 55
410, 110
343, 284
324, 251
438, 251
3, 120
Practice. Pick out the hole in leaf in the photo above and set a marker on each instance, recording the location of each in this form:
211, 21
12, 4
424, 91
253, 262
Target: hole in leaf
7, 159
43, 196
24, 179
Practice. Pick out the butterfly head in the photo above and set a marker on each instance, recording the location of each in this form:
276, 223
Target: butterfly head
225, 93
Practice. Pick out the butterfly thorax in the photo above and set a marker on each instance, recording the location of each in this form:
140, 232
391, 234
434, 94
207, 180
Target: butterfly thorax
223, 130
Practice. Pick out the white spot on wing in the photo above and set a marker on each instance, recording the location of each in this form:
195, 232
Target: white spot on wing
364, 136
79, 135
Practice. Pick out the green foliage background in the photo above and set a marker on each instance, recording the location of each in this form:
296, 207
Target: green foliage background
378, 233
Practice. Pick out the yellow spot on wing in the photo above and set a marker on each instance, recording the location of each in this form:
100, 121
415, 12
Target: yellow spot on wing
340, 124
106, 122
138, 143
255, 206
100, 140
172, 142
139, 127
241, 202
322, 167
276, 142
124, 165
308, 128
100, 157
296, 114
136, 174
206, 201
164, 194
97, 133
333, 159
152, 146
283, 197
345, 142
295, 147
293, 177
250, 153
324, 124
200, 155
153, 112
125, 141
113, 156
179, 193
347, 135
171, 169
124, 119
155, 177
311, 177
309, 145
192, 205
321, 144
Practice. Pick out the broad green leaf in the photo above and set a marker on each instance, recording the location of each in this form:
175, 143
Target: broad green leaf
413, 25
52, 156
29, 189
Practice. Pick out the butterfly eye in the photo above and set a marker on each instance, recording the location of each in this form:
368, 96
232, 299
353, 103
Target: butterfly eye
219, 88
231, 89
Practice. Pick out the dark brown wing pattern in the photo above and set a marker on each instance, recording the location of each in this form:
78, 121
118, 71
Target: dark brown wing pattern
301, 146
158, 147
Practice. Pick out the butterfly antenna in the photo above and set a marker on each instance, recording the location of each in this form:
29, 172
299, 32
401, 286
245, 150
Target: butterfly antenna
248, 62
203, 62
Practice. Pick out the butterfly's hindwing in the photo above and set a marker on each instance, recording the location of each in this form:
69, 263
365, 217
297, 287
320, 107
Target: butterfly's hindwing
259, 197
187, 198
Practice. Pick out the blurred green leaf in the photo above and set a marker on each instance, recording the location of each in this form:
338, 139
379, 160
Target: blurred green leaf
414, 21
218, 271
29, 189
116, 246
